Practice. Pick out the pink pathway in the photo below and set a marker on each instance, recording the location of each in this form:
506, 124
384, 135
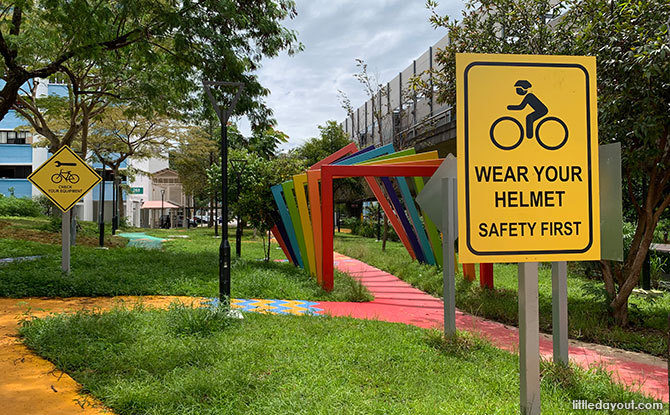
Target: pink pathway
397, 301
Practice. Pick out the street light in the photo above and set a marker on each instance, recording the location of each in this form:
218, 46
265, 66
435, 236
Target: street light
160, 220
224, 248
238, 166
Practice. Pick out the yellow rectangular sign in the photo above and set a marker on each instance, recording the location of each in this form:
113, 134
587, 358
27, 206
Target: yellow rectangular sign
527, 158
64, 178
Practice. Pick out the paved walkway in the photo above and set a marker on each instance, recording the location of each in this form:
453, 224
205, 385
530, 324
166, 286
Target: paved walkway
397, 301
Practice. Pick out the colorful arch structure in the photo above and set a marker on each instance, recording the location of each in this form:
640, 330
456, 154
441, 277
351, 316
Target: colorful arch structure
304, 227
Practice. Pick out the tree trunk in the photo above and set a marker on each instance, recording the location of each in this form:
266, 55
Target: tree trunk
211, 213
84, 131
619, 283
119, 194
386, 233
10, 91
620, 313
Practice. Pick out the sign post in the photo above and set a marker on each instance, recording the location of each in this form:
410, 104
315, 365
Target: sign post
448, 274
65, 241
529, 339
65, 178
559, 311
528, 180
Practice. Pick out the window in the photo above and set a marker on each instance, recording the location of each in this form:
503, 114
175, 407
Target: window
13, 137
15, 172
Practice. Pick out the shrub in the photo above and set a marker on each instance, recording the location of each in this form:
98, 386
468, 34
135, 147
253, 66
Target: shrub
15, 206
367, 228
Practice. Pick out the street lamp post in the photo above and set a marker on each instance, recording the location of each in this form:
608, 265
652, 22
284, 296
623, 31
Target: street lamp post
238, 165
224, 248
160, 220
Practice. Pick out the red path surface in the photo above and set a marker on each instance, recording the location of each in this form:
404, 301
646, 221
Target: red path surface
396, 301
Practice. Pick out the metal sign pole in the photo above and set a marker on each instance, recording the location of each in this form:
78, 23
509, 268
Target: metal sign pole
559, 308
529, 339
65, 239
449, 277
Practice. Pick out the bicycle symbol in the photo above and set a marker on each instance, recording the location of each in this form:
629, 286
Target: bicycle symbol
540, 110
65, 175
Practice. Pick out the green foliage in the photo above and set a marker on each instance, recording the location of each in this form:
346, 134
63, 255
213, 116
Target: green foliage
491, 26
331, 138
168, 46
19, 206
135, 363
368, 228
256, 204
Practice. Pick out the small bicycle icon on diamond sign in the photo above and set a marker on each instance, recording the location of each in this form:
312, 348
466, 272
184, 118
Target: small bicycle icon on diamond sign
539, 111
65, 175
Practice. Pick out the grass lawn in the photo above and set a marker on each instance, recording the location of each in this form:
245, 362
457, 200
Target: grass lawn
587, 307
186, 266
195, 361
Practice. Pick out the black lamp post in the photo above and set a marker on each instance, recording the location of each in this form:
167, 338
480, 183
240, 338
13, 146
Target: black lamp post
238, 166
162, 205
224, 248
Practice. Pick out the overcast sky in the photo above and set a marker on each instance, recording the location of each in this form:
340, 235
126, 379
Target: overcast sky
387, 34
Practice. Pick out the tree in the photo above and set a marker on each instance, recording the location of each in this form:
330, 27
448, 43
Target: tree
120, 136
190, 158
375, 92
632, 44
164, 49
331, 138
256, 204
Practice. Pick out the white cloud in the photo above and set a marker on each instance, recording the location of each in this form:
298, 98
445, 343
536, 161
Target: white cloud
387, 34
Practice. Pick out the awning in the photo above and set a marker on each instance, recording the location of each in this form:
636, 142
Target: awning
157, 204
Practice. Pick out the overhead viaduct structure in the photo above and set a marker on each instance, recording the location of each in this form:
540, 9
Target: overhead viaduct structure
406, 119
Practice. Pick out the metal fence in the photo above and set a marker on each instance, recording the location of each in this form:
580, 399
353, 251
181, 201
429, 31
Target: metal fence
400, 111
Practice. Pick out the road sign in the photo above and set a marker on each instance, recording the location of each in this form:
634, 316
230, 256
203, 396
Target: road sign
64, 178
527, 158
136, 190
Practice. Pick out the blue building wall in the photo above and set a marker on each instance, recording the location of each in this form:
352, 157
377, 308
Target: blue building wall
16, 154
22, 187
57, 90
108, 192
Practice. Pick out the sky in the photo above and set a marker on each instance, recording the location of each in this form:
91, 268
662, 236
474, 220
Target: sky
387, 34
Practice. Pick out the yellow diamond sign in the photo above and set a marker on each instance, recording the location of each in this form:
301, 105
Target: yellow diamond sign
65, 178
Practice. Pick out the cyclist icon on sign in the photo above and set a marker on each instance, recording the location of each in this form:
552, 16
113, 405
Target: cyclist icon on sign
539, 111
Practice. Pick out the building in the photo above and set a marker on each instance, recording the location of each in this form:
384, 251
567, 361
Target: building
18, 159
405, 119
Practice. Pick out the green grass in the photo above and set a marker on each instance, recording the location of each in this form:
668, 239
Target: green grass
195, 361
187, 266
587, 306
